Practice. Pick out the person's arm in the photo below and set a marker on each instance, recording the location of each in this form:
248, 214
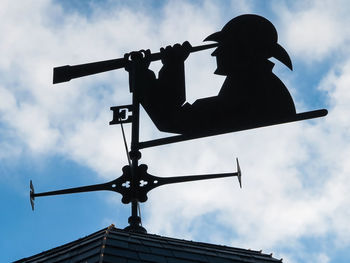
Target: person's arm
172, 74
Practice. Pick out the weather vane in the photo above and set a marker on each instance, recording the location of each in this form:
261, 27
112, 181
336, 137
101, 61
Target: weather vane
252, 96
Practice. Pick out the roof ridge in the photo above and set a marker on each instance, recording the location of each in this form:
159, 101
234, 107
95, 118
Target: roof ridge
104, 240
68, 245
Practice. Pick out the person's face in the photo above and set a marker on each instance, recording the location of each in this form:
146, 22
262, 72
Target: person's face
230, 57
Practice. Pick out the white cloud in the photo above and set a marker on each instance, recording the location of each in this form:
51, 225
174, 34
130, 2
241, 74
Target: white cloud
315, 29
242, 7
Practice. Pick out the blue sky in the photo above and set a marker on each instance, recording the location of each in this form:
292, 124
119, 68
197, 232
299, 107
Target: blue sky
295, 197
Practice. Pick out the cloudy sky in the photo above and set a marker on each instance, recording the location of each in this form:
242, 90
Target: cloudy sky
296, 196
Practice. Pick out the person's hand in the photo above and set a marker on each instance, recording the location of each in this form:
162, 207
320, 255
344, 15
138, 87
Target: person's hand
175, 53
140, 59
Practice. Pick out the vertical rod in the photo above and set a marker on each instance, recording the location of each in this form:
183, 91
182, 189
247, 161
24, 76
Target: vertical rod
135, 154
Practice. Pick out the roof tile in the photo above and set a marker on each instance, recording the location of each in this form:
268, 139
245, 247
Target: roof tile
118, 245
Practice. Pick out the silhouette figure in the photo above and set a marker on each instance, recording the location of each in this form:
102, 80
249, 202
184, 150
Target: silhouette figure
250, 96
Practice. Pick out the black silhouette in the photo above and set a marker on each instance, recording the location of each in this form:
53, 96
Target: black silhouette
251, 96
251, 93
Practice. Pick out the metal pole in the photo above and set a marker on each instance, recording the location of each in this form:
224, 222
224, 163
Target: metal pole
135, 155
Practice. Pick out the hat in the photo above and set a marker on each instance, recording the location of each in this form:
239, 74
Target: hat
255, 32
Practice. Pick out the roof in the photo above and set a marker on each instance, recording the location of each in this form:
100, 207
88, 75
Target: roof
116, 245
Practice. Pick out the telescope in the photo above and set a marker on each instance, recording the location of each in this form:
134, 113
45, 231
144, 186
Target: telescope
66, 73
